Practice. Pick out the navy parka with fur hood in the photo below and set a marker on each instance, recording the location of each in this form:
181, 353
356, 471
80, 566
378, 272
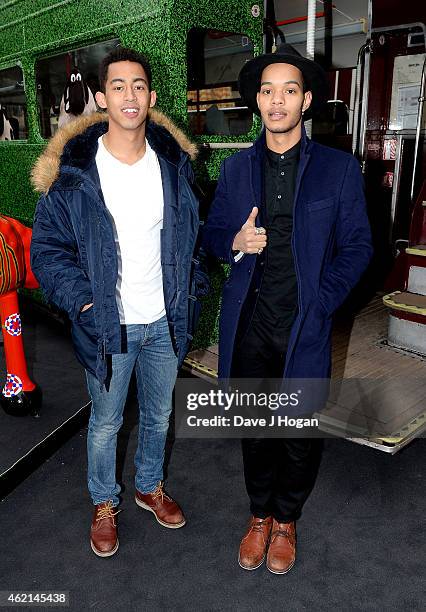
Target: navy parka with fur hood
73, 253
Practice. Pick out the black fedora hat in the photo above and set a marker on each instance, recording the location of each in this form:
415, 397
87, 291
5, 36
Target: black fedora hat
313, 74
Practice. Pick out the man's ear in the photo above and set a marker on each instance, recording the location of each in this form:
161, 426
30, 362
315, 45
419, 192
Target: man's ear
307, 101
153, 100
100, 100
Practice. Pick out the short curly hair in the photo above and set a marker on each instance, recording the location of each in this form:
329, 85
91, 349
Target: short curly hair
122, 54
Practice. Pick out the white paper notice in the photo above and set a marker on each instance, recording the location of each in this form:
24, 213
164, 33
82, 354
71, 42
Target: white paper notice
408, 104
407, 72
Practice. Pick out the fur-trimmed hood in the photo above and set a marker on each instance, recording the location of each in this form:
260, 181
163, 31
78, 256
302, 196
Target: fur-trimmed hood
76, 145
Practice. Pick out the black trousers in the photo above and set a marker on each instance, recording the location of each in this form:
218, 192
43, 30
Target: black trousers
279, 473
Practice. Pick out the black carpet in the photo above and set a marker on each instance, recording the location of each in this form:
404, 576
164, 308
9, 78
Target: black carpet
361, 543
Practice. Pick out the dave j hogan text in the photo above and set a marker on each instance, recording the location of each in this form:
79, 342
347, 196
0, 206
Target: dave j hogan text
237, 420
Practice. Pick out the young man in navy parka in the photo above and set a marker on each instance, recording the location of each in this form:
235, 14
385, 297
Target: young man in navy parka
289, 217
113, 242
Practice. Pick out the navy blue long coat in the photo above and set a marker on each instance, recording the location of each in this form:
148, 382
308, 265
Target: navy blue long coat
331, 245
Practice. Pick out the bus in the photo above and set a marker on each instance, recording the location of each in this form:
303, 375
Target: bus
196, 49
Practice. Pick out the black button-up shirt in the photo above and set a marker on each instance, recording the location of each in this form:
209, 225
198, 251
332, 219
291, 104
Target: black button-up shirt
277, 302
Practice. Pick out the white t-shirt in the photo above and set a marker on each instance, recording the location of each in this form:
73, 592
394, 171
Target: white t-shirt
134, 197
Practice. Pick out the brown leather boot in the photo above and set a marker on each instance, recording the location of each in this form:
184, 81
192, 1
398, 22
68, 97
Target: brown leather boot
163, 507
282, 548
103, 533
255, 542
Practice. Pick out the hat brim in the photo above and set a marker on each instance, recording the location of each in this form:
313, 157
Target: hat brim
313, 74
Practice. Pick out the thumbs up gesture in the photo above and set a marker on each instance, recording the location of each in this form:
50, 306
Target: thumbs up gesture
250, 239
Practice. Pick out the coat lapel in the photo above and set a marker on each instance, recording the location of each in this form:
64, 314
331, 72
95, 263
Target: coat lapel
256, 177
305, 155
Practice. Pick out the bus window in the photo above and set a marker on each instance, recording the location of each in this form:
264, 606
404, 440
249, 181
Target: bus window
67, 83
13, 106
214, 61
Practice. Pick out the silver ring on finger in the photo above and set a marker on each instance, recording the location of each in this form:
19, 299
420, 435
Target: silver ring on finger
259, 231
259, 251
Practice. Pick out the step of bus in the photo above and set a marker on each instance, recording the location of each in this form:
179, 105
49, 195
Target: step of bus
417, 249
407, 334
417, 280
406, 301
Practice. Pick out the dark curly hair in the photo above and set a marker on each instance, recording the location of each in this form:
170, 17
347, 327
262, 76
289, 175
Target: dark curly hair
121, 54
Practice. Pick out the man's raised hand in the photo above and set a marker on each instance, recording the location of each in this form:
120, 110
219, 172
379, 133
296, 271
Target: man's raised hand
250, 239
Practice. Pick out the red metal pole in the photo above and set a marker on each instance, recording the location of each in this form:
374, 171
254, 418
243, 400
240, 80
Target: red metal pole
298, 19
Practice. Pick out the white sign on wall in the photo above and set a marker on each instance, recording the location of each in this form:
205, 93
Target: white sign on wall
407, 74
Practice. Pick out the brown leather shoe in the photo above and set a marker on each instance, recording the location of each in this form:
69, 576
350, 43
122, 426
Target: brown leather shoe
282, 548
163, 507
103, 533
255, 542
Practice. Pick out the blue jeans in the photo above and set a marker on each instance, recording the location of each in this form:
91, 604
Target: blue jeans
150, 352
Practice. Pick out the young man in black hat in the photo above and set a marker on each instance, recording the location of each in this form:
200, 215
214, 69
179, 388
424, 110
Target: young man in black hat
289, 216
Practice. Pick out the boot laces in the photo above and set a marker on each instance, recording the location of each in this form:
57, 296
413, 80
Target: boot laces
158, 493
258, 525
285, 533
106, 511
